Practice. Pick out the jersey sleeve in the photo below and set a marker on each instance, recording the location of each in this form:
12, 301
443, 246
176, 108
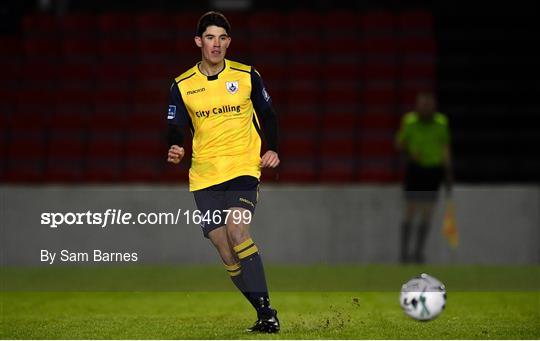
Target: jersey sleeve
403, 133
177, 113
177, 117
259, 96
263, 107
446, 136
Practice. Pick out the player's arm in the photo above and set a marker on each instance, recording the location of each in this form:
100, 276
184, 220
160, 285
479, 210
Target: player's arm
177, 119
268, 119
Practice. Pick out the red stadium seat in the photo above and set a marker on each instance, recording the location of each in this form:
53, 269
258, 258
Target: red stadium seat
295, 122
65, 158
100, 147
105, 156
341, 22
155, 48
380, 172
39, 24
338, 146
10, 48
342, 46
379, 46
266, 23
117, 24
297, 170
29, 122
337, 171
377, 23
77, 49
43, 73
120, 49
379, 121
146, 122
156, 24
378, 71
377, 147
112, 74
298, 146
28, 147
42, 49
302, 20
152, 146
78, 76
108, 122
341, 96
23, 170
78, 24
417, 45
307, 46
378, 96
340, 121
418, 70
175, 173
66, 148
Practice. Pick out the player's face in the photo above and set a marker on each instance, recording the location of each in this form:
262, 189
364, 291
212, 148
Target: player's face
213, 43
425, 105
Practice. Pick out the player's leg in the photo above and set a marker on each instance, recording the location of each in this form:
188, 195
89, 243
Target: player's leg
252, 272
411, 207
242, 199
431, 181
220, 240
208, 201
426, 213
410, 187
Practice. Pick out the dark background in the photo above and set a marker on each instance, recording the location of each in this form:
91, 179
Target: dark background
84, 85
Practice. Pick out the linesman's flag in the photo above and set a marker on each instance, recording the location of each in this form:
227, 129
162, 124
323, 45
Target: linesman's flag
449, 225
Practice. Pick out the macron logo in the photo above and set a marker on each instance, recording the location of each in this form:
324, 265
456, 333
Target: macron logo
193, 92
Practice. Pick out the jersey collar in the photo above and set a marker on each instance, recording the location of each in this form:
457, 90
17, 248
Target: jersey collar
213, 77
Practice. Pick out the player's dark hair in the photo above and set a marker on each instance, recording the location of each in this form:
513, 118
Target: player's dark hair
212, 19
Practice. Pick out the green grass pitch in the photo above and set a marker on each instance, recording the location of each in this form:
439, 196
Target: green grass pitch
314, 302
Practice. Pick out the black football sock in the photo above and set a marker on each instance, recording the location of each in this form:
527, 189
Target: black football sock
254, 278
405, 234
235, 271
423, 231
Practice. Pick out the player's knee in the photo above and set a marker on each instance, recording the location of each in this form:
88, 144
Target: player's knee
228, 258
237, 233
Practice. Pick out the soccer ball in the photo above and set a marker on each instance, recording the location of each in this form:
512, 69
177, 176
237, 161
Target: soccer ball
423, 298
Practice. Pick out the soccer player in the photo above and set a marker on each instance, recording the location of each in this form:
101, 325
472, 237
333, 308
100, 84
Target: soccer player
424, 138
229, 113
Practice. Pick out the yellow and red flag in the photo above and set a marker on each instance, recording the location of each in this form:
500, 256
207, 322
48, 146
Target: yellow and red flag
449, 224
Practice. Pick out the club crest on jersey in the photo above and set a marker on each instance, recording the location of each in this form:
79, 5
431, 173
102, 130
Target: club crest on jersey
232, 87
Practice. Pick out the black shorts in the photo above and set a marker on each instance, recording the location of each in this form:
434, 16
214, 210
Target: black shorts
212, 201
423, 183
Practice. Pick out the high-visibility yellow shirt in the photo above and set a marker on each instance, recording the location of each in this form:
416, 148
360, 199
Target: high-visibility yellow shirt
425, 139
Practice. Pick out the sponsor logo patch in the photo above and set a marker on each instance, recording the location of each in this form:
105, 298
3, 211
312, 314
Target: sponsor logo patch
172, 112
265, 95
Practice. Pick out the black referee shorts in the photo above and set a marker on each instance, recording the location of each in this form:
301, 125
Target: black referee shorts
423, 183
212, 201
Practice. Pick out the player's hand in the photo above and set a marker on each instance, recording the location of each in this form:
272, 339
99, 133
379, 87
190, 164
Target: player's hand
175, 155
270, 159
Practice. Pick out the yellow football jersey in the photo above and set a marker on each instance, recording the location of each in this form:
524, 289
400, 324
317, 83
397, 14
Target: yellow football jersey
221, 112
